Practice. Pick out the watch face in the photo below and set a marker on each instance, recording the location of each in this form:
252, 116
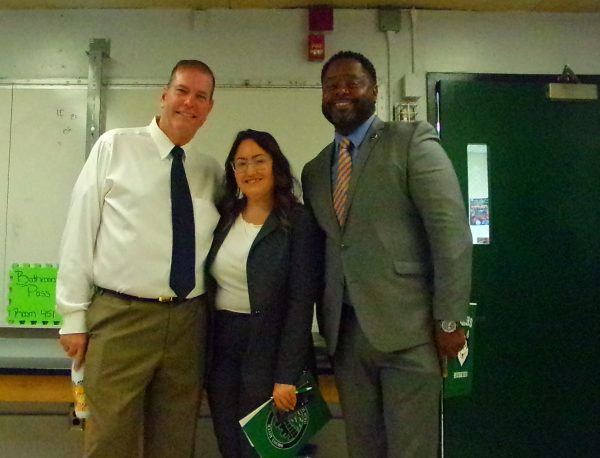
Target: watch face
448, 326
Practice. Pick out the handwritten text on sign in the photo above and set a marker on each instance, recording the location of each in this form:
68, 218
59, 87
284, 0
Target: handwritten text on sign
32, 292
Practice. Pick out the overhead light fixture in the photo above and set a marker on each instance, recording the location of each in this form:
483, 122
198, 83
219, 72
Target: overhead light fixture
570, 88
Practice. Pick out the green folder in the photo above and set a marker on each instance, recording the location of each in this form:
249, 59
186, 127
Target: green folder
460, 370
275, 434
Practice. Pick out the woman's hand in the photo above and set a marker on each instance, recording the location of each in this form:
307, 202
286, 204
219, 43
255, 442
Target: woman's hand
284, 396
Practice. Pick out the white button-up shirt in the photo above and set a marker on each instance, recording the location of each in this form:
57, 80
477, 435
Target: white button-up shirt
118, 233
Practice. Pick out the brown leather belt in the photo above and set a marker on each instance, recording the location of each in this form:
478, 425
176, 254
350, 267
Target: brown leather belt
129, 297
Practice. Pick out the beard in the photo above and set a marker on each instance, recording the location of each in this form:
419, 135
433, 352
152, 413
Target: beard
347, 121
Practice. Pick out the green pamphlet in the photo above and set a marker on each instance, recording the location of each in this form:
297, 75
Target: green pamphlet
460, 370
276, 434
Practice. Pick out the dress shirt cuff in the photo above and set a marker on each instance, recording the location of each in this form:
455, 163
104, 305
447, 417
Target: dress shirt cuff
74, 323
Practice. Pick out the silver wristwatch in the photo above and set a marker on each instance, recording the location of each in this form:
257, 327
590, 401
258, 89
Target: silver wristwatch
448, 326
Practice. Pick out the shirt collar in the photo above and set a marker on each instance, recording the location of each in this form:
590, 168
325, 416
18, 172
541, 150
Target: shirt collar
163, 143
358, 135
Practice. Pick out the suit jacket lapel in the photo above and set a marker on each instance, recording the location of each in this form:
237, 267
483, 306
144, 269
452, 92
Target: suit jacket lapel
218, 239
270, 224
322, 181
371, 139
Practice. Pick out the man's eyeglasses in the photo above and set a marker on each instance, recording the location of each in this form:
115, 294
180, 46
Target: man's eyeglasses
241, 165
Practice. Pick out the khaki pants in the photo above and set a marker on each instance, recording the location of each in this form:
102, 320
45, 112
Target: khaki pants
143, 375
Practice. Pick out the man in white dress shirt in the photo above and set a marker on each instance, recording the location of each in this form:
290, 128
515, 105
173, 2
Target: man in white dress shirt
142, 346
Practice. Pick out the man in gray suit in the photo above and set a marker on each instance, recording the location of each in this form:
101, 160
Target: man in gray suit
398, 265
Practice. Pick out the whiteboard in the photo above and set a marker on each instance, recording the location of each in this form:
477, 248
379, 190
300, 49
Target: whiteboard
42, 149
47, 133
5, 110
47, 138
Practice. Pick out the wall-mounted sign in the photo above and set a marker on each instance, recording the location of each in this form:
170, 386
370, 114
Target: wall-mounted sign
31, 296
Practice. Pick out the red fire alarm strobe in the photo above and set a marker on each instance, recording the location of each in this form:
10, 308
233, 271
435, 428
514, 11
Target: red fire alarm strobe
320, 20
316, 47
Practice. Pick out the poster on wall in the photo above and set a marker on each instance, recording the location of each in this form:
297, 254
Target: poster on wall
31, 295
479, 212
479, 220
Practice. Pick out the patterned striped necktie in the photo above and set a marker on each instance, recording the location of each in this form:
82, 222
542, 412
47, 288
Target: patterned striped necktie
344, 170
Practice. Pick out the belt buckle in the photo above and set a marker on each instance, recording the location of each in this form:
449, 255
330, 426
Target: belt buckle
166, 299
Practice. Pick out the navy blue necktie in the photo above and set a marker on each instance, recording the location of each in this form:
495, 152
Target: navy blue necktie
183, 261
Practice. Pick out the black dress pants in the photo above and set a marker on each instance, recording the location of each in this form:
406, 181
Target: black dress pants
229, 398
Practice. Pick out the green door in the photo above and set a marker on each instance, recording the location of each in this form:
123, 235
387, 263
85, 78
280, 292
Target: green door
537, 283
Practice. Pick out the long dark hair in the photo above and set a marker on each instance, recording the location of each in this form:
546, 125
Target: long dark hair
231, 204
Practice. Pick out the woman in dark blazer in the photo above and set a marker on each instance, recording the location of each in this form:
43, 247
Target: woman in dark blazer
263, 276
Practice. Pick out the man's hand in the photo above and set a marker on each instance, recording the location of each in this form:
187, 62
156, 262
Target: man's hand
75, 345
284, 396
449, 343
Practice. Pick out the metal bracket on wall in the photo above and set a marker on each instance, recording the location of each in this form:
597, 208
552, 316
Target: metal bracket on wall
98, 51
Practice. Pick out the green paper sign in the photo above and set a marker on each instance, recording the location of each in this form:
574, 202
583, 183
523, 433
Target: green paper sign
31, 297
460, 370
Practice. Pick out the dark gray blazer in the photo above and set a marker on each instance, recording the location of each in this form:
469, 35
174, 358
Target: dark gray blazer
404, 254
283, 271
